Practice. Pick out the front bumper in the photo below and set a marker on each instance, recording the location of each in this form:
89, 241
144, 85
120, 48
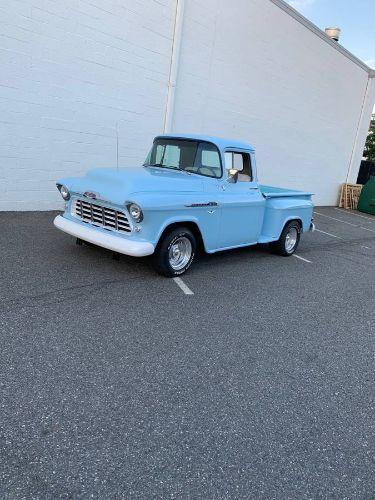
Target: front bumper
109, 241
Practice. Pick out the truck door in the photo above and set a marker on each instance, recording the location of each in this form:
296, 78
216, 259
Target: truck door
242, 204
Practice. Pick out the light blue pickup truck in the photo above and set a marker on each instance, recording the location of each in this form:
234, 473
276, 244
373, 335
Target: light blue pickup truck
192, 192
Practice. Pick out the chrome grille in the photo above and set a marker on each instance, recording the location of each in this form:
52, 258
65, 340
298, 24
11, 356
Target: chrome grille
113, 220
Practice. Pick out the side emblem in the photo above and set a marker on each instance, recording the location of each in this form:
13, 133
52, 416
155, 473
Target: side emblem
209, 204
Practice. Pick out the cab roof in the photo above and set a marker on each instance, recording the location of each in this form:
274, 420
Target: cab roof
220, 142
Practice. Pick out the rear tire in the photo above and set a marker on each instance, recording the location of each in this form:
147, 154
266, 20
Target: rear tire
175, 252
288, 242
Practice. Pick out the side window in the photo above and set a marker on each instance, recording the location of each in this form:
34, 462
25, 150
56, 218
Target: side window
228, 156
240, 162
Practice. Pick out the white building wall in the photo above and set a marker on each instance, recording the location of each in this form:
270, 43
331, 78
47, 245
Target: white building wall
70, 70
250, 71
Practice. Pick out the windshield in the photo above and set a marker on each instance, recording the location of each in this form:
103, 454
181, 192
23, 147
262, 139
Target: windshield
196, 157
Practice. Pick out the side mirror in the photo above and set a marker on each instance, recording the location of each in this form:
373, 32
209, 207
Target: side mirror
232, 175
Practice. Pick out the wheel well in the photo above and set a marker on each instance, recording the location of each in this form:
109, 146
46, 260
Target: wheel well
188, 224
294, 220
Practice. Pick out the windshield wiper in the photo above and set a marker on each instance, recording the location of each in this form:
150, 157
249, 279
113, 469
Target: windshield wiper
160, 165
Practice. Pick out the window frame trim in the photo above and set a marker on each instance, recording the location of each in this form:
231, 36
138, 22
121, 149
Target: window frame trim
243, 152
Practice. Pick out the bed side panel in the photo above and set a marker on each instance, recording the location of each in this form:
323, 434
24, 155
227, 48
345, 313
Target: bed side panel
279, 211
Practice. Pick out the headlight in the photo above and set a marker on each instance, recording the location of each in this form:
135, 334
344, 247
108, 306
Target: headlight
135, 212
64, 191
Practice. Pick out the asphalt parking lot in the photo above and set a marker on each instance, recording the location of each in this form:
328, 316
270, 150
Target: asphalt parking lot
253, 378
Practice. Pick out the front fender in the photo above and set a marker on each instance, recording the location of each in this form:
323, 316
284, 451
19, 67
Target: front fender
156, 221
163, 209
179, 219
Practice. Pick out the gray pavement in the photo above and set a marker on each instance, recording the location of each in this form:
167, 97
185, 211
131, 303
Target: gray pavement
115, 384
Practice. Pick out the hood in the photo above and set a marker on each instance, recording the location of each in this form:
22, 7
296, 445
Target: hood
119, 185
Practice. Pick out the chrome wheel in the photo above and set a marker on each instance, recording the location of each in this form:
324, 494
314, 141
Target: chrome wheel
291, 239
180, 253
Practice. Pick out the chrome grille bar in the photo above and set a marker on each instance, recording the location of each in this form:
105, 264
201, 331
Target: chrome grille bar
108, 218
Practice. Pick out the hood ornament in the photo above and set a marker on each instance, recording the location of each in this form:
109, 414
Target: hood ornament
91, 194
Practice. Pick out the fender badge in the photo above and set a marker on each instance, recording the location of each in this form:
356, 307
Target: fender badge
209, 204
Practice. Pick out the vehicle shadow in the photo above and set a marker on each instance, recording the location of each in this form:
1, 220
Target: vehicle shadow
261, 251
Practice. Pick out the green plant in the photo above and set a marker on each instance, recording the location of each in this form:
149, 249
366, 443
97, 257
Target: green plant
369, 152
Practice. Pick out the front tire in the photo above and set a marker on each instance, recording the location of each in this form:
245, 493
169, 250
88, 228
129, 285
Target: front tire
288, 242
175, 252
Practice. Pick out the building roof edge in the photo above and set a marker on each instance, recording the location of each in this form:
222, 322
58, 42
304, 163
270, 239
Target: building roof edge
321, 34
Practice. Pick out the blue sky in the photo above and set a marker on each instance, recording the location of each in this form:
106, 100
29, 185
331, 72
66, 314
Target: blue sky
356, 18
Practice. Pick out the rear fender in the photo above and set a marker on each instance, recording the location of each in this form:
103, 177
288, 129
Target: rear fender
280, 211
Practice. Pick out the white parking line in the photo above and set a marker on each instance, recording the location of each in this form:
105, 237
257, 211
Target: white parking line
328, 234
183, 286
339, 220
367, 229
339, 237
346, 222
355, 215
301, 258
